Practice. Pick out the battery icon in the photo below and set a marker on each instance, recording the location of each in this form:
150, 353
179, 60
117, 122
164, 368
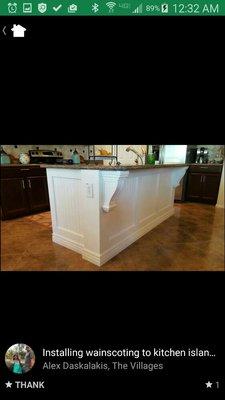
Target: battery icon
164, 8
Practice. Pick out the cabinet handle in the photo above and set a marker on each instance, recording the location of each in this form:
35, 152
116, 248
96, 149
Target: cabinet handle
203, 180
23, 184
24, 169
29, 183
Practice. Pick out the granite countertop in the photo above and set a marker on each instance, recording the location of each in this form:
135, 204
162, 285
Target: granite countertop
113, 167
208, 164
21, 165
106, 167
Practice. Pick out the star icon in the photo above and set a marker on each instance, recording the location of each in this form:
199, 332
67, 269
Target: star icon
208, 384
8, 384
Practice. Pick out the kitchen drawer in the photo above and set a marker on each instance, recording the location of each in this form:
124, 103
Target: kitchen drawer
11, 172
36, 171
206, 168
21, 172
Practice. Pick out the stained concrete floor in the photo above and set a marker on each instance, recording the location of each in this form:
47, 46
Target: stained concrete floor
191, 240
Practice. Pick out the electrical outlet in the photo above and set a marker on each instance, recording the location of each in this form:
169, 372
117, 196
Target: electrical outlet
89, 190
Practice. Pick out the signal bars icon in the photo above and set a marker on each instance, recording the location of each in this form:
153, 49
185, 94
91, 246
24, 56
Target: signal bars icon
138, 10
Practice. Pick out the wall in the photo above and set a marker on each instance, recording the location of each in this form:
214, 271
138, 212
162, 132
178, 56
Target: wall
220, 200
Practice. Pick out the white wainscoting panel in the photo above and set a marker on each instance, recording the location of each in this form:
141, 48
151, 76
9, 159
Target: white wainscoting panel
100, 213
65, 198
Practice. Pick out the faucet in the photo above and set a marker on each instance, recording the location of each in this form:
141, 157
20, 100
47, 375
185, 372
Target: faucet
135, 152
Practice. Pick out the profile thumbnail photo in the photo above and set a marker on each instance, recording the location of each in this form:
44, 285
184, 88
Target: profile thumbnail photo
20, 358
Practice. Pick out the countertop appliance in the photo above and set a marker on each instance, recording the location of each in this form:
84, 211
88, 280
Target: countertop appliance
191, 154
45, 156
202, 155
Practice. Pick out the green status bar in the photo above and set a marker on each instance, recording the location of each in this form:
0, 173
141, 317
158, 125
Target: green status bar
112, 8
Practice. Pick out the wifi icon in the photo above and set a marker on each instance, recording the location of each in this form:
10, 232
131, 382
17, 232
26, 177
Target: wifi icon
111, 5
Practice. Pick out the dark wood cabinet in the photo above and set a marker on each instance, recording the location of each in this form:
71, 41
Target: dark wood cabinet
210, 187
203, 186
14, 200
194, 186
23, 191
38, 193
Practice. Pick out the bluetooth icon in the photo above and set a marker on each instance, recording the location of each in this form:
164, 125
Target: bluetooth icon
94, 7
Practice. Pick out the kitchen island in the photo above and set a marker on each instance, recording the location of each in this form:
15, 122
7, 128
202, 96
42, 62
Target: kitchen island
100, 210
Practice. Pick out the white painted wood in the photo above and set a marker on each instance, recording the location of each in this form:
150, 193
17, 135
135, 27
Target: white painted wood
90, 213
65, 197
220, 199
122, 207
112, 185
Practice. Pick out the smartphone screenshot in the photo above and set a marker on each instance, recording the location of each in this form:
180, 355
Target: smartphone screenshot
112, 198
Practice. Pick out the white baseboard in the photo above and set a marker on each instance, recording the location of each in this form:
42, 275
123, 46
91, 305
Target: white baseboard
92, 257
219, 206
78, 247
100, 259
113, 251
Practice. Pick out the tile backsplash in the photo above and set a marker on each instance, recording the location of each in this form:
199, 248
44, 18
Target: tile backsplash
215, 150
128, 158
124, 157
67, 150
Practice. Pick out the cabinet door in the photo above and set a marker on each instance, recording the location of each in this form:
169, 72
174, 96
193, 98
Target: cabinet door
210, 188
38, 193
14, 199
194, 187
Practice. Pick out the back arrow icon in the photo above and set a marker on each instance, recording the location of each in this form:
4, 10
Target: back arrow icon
3, 30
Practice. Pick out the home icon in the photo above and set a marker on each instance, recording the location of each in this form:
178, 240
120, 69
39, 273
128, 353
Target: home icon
18, 30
